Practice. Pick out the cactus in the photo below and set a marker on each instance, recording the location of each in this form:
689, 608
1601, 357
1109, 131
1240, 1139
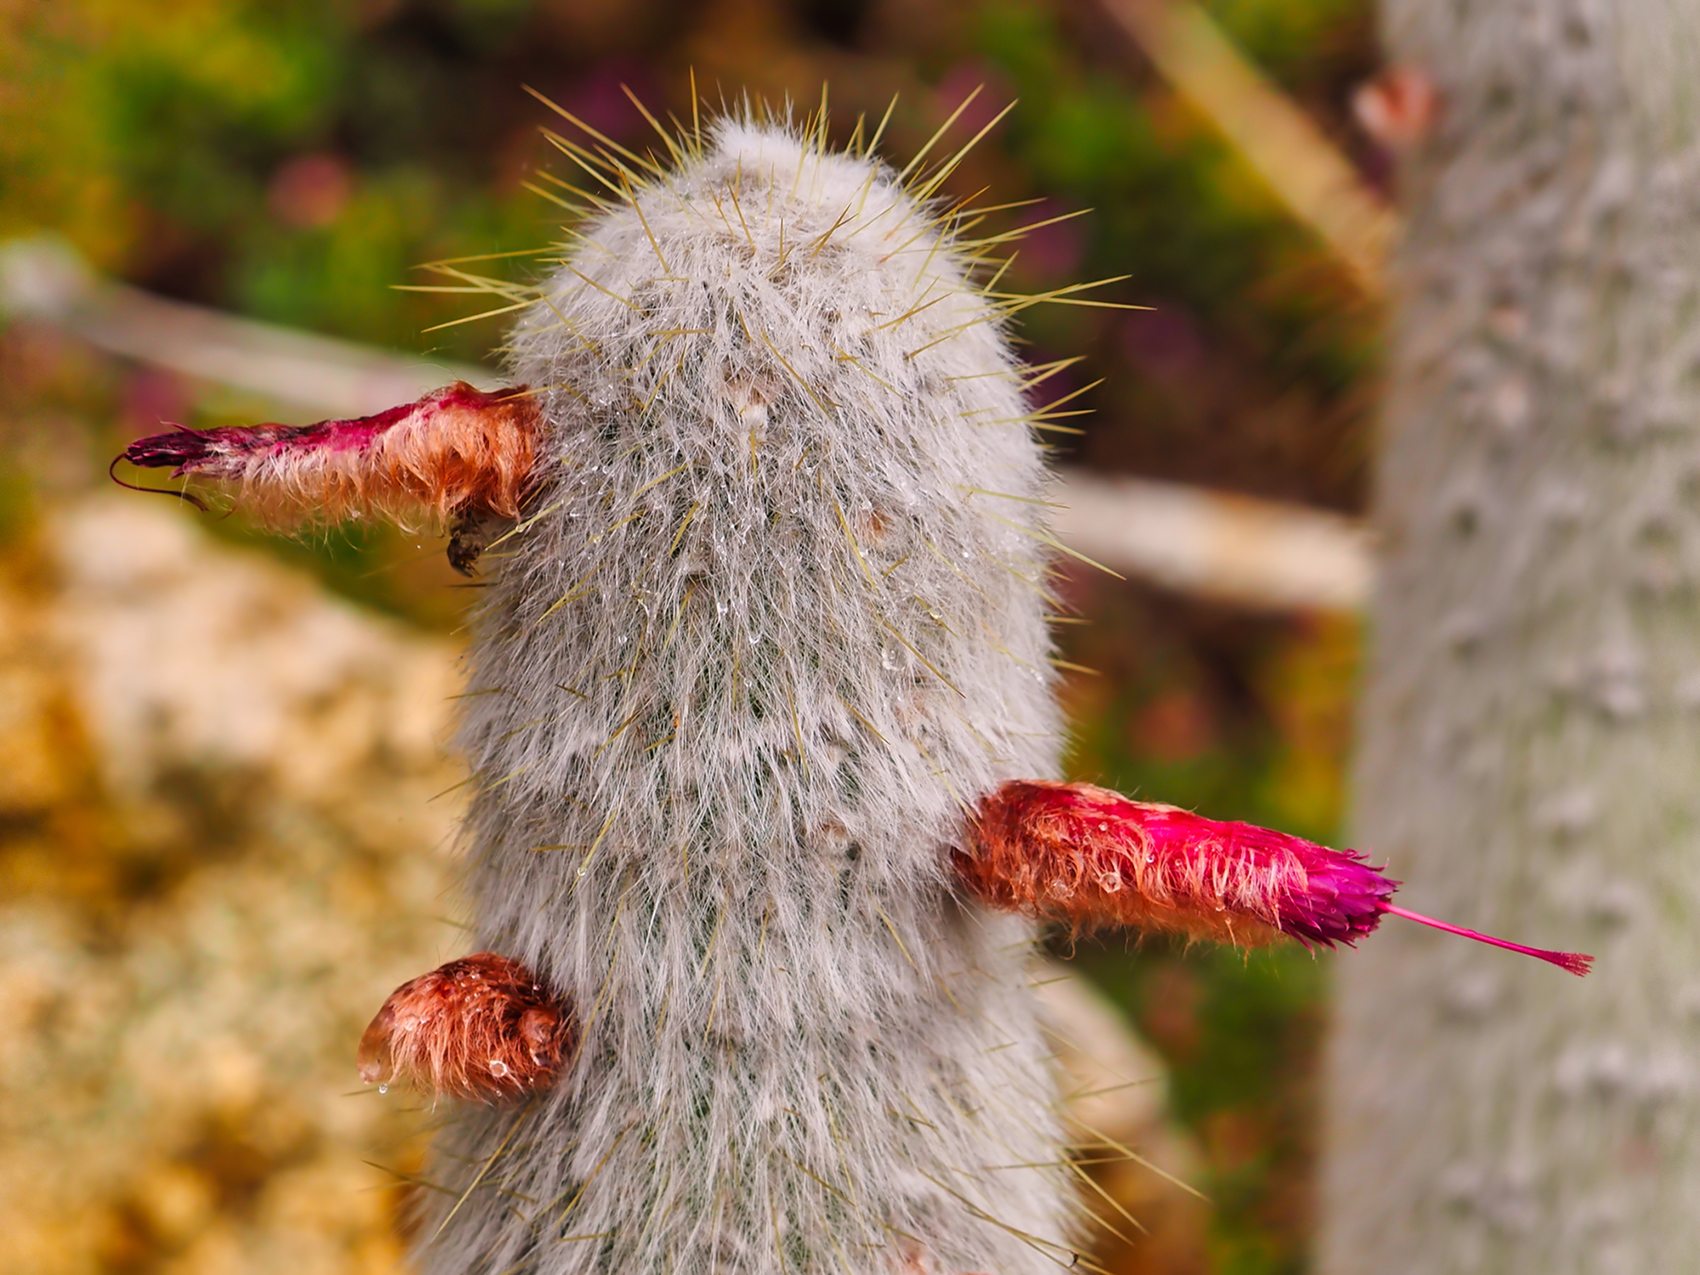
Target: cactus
762, 723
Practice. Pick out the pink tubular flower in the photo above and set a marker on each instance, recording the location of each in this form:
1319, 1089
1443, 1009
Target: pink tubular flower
1089, 856
456, 450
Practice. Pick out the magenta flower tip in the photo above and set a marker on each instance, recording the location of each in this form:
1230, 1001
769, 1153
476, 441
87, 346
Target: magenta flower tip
1340, 900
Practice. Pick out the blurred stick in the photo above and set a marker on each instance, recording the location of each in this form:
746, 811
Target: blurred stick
1278, 140
44, 278
1256, 553
1250, 552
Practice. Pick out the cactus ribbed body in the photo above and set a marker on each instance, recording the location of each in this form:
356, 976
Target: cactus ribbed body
774, 620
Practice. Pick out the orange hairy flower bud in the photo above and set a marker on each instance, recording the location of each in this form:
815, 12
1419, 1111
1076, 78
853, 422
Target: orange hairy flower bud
1090, 856
457, 450
482, 1027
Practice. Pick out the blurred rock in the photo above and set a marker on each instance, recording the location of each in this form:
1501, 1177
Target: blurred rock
219, 850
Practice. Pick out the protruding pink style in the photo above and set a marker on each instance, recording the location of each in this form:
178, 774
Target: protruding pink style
483, 1027
456, 451
1092, 857
1577, 963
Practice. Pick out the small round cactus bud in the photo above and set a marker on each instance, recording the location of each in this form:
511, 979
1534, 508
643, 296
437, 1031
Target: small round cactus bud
480, 1027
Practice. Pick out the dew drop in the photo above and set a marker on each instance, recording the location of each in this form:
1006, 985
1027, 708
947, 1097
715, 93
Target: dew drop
498, 1068
384, 1088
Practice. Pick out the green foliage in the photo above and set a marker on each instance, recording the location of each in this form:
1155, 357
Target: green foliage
1297, 45
1173, 203
162, 143
189, 118
1241, 1033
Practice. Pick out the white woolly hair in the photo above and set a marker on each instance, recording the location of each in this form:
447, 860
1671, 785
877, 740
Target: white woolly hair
772, 624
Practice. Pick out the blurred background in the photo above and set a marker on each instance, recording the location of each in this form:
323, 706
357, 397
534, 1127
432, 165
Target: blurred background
226, 808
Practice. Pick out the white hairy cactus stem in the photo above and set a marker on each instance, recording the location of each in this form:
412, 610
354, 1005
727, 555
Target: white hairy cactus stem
772, 622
